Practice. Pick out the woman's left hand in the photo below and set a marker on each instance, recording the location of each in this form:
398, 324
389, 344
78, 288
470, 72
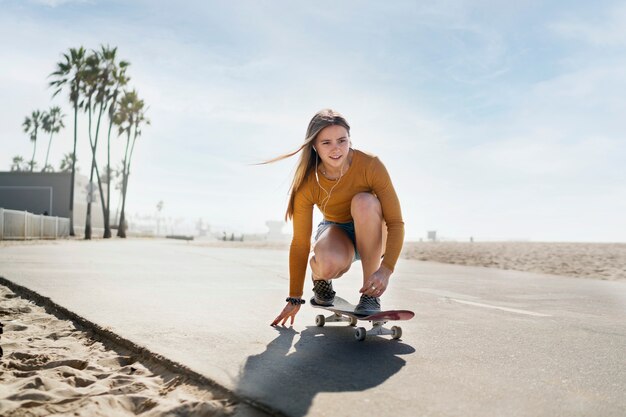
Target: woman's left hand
377, 283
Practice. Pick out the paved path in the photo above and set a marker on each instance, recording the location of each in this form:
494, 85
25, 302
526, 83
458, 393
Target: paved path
484, 342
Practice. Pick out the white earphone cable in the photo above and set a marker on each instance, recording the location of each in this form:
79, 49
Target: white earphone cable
325, 201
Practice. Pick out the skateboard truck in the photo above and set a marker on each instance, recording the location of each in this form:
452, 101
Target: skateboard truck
320, 320
378, 330
343, 311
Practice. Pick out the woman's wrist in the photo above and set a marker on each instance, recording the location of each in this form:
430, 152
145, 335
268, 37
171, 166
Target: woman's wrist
295, 300
386, 271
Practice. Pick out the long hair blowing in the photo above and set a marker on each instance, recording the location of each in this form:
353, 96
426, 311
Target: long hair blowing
308, 157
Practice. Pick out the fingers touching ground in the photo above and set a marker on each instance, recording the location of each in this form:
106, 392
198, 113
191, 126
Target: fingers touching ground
289, 311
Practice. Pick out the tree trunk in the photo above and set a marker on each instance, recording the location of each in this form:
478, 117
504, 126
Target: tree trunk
47, 153
94, 167
130, 157
88, 223
121, 231
121, 228
93, 161
107, 214
32, 160
73, 172
104, 208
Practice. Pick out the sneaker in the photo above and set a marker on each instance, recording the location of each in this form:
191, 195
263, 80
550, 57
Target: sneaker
324, 294
368, 305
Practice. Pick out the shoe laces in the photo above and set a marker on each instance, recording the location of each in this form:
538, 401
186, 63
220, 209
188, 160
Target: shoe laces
369, 303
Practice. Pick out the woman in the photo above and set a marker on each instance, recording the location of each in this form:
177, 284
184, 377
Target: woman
362, 217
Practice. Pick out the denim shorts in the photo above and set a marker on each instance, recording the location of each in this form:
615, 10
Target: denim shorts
346, 227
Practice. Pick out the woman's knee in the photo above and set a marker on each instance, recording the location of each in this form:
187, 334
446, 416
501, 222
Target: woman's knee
365, 205
329, 265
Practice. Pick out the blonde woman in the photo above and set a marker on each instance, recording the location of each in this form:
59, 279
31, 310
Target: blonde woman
362, 217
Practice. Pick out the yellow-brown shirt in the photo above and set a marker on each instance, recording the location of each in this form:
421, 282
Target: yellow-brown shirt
365, 174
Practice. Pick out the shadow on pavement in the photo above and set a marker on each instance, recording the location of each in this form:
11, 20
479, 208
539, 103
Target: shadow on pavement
325, 360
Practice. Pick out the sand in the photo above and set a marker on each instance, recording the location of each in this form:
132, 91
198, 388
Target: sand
606, 261
52, 367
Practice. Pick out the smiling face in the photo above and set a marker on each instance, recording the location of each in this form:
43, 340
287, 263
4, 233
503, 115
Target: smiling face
333, 147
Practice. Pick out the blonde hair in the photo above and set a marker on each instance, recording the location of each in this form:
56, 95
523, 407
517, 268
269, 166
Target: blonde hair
308, 157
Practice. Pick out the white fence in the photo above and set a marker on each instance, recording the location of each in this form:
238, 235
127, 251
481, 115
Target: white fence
22, 225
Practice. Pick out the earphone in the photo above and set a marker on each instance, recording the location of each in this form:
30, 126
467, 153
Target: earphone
325, 201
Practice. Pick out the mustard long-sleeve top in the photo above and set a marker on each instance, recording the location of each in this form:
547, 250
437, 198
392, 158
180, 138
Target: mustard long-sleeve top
365, 174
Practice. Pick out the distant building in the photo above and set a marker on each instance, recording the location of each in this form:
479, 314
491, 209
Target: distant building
49, 192
275, 232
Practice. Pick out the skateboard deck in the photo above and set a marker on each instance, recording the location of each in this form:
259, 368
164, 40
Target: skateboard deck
344, 311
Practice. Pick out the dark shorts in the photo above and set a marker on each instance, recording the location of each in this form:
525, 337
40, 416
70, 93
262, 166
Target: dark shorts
346, 227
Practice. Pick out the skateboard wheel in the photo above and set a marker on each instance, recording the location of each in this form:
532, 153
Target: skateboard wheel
353, 321
320, 320
360, 333
396, 332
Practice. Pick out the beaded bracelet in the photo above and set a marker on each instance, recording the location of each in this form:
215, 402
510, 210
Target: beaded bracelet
295, 301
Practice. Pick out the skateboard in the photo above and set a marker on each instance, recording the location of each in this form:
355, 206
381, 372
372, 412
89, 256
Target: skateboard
344, 311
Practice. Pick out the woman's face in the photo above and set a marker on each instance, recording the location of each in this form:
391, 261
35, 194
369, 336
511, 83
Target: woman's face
333, 145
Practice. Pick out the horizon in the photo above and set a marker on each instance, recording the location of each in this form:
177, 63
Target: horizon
494, 121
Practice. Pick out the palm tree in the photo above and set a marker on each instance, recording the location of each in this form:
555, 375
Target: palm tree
52, 123
69, 73
103, 83
18, 163
92, 96
129, 118
119, 80
31, 126
67, 162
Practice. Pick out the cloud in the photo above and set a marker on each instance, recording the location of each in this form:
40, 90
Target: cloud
607, 30
57, 3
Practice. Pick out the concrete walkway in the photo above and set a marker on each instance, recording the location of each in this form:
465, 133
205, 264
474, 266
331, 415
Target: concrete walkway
484, 342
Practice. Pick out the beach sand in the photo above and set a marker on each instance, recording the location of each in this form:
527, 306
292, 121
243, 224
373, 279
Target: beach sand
605, 261
49, 366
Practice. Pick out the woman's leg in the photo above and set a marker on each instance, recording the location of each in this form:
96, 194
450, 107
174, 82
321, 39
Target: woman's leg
332, 254
371, 231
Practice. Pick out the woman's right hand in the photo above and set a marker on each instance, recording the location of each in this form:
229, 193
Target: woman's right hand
290, 310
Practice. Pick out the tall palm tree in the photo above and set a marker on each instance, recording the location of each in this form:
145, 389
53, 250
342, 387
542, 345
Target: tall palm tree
92, 97
130, 118
103, 83
31, 126
69, 73
119, 80
52, 123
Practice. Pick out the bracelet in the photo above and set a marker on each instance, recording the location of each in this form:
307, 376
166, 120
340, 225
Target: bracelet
295, 301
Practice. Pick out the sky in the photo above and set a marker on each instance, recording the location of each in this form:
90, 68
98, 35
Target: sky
495, 120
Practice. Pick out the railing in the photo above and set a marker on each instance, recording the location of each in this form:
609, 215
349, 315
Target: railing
22, 225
